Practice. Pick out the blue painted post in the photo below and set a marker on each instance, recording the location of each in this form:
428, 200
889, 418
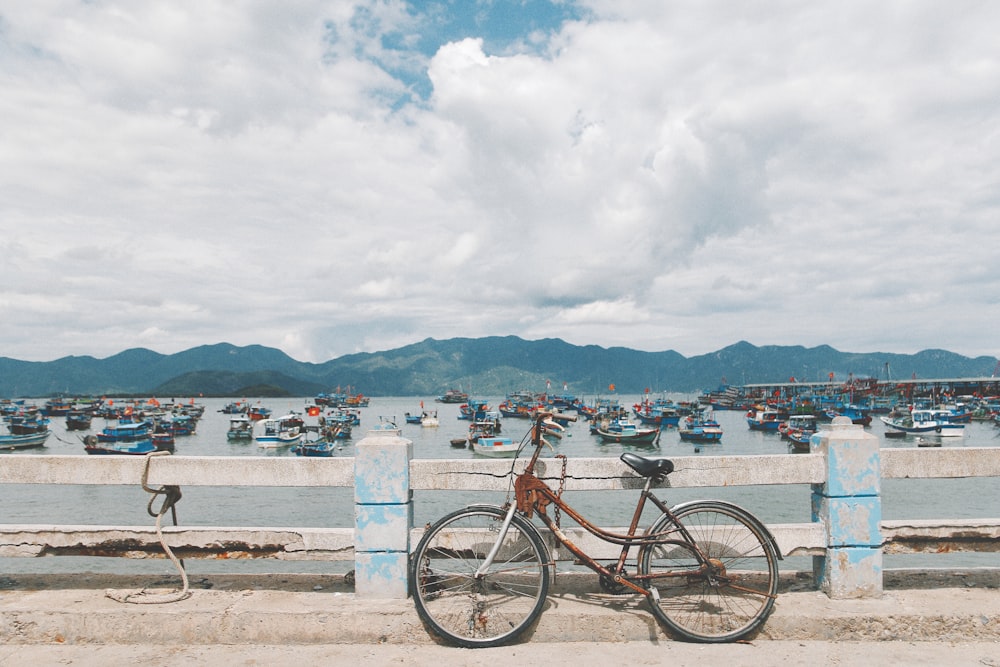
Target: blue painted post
383, 515
849, 504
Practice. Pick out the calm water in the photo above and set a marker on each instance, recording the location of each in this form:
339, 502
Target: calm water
968, 498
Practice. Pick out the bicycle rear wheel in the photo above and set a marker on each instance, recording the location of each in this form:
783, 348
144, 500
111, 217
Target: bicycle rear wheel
726, 601
490, 610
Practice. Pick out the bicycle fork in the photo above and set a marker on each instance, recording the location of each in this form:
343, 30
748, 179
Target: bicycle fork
501, 536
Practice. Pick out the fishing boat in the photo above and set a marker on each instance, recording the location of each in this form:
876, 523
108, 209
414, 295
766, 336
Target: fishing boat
279, 432
799, 430
765, 419
125, 430
78, 420
699, 429
660, 412
23, 440
856, 414
319, 448
625, 431
487, 427
234, 408
240, 428
430, 419
258, 413
797, 424
92, 445
412, 418
453, 396
520, 404
496, 446
473, 409
163, 441
930, 421
386, 426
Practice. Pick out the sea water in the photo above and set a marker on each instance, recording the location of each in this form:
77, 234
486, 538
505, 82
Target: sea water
333, 507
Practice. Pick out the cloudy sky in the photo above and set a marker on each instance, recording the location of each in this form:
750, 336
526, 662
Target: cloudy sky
337, 177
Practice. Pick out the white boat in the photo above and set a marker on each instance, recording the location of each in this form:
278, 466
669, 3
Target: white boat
926, 422
624, 430
23, 441
430, 419
240, 428
385, 426
279, 432
496, 447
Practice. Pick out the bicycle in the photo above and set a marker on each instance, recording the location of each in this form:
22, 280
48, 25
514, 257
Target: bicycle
708, 568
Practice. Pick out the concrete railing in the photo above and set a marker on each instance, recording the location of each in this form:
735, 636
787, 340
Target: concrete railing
846, 538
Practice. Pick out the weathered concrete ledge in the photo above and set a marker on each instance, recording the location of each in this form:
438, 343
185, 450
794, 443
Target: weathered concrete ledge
316, 609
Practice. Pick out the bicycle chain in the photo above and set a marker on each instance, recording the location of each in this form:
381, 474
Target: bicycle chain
562, 486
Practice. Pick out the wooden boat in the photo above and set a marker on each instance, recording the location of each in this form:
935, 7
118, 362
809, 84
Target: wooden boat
488, 427
765, 419
23, 441
496, 447
413, 419
234, 408
126, 430
163, 441
320, 448
280, 432
78, 420
625, 431
856, 414
926, 422
240, 428
473, 409
699, 429
258, 413
135, 447
452, 396
429, 418
799, 439
386, 426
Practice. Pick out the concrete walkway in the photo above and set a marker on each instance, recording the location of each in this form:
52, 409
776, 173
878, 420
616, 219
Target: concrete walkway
282, 619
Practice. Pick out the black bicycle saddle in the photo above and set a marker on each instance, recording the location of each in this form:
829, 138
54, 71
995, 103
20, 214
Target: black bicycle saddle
648, 467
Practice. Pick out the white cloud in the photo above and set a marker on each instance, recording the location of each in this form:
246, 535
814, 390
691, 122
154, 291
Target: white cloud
657, 176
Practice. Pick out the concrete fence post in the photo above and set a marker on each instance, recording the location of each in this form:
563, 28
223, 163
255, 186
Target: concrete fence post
849, 505
383, 515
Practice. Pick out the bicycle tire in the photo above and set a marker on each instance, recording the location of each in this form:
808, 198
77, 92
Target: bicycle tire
694, 607
492, 610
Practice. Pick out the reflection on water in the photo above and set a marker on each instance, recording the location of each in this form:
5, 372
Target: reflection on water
333, 507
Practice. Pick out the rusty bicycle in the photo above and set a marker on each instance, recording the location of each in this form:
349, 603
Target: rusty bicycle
708, 568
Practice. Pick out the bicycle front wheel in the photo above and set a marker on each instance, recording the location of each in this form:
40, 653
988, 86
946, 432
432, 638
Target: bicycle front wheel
493, 608
726, 598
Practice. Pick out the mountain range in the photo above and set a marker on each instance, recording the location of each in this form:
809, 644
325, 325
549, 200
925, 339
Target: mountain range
488, 366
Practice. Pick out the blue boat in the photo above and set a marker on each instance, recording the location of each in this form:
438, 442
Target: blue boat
625, 431
699, 429
125, 430
23, 441
136, 447
926, 422
322, 447
764, 420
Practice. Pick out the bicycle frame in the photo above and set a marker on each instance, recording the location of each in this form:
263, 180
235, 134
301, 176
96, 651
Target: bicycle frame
534, 495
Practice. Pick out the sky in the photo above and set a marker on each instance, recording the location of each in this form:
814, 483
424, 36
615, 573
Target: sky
337, 177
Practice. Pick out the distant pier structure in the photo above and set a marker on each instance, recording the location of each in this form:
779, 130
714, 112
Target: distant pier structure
870, 392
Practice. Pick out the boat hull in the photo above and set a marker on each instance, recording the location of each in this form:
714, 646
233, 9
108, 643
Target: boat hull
639, 438
496, 447
23, 441
941, 429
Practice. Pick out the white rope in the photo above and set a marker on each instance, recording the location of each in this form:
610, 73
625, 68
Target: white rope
144, 596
